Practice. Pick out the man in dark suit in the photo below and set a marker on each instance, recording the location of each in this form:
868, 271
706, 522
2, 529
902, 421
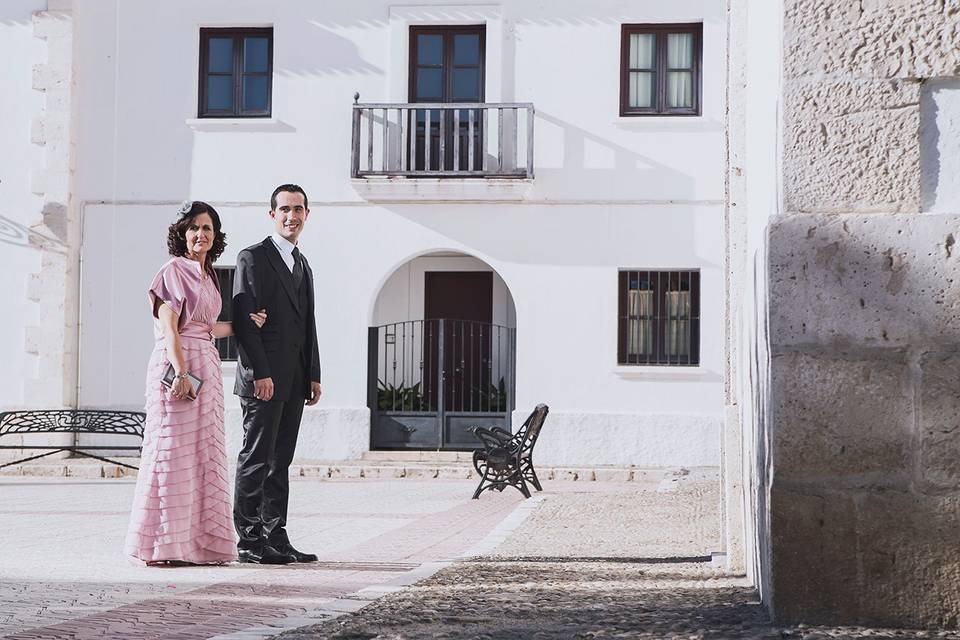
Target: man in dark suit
278, 371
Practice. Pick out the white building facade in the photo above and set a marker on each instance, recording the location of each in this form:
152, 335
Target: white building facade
584, 256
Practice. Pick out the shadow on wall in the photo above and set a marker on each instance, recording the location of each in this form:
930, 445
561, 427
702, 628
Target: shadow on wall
630, 170
342, 57
18, 235
350, 14
608, 237
18, 13
299, 22
864, 328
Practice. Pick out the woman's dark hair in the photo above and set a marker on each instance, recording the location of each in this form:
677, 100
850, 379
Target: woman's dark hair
177, 233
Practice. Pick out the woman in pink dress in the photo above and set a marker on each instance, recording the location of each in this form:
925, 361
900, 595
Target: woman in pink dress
182, 508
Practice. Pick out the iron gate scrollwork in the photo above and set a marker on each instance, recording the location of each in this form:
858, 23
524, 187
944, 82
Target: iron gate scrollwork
431, 381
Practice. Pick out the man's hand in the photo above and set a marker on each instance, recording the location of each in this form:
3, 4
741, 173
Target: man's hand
263, 389
314, 394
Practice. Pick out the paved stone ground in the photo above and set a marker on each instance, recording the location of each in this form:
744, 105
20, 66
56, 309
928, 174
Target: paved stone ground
501, 600
63, 575
678, 515
581, 560
624, 563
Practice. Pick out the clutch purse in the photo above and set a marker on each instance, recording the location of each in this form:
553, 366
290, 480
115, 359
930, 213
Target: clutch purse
169, 375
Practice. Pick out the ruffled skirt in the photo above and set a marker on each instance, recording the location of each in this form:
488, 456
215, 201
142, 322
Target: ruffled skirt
181, 507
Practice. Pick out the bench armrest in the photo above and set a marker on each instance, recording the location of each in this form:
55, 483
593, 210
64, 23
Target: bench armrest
488, 437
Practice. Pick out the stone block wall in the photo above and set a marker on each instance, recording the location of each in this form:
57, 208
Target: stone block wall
864, 312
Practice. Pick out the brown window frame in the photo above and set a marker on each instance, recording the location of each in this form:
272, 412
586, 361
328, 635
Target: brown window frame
447, 64
660, 282
660, 31
238, 34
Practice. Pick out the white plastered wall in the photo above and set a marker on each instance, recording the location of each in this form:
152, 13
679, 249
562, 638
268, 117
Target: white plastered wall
610, 193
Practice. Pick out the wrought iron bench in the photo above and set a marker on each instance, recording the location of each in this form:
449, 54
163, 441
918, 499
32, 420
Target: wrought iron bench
506, 458
76, 421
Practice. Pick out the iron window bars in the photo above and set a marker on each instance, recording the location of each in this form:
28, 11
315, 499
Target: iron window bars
659, 317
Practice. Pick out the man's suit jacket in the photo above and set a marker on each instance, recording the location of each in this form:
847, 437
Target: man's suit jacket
263, 281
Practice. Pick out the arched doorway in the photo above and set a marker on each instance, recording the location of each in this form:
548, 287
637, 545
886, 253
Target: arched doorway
441, 354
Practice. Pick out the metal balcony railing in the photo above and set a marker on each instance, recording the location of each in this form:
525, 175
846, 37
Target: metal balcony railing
442, 139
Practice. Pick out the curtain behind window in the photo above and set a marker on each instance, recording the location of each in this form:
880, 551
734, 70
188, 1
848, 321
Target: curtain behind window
640, 314
680, 74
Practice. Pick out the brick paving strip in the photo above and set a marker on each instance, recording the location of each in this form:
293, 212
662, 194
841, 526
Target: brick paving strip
390, 535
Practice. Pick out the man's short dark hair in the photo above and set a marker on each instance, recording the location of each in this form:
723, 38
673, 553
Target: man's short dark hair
290, 188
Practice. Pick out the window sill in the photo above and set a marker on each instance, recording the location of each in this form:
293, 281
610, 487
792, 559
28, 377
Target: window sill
442, 189
662, 372
238, 124
660, 119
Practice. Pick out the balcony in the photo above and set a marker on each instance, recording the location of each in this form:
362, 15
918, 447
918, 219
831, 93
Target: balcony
467, 140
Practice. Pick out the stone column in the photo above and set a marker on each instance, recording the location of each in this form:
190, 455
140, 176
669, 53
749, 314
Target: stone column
864, 509
54, 289
733, 471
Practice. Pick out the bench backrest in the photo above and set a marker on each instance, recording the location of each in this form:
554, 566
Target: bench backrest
530, 430
73, 421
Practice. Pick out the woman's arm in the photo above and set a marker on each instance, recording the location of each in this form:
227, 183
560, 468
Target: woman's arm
168, 323
225, 329
222, 330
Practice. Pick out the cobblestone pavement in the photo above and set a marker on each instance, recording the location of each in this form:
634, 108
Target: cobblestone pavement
530, 600
624, 562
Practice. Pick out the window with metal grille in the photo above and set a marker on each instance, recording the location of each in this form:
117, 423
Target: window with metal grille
236, 73
226, 346
659, 318
660, 69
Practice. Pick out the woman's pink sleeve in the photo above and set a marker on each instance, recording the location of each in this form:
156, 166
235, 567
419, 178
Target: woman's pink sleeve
168, 287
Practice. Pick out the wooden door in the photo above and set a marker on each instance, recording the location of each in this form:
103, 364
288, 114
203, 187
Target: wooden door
464, 301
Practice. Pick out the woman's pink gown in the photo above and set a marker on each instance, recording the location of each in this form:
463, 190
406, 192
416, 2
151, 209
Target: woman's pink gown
181, 508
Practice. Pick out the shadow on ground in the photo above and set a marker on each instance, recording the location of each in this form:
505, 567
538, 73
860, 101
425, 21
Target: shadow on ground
515, 600
532, 601
626, 562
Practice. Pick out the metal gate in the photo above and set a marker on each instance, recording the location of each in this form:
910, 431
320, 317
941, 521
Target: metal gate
431, 381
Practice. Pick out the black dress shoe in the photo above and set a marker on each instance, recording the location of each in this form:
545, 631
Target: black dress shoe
264, 555
301, 557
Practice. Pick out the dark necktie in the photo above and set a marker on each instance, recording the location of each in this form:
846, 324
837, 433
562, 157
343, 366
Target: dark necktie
297, 268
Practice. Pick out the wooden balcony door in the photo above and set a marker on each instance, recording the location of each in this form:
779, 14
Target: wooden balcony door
447, 65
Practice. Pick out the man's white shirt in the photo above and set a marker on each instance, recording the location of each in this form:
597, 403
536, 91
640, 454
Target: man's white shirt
285, 247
